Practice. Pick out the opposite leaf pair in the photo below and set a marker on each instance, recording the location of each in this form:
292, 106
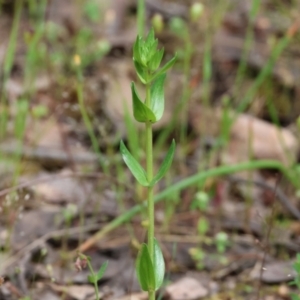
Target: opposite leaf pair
138, 171
150, 274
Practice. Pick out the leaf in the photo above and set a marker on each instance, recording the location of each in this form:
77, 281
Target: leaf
136, 169
156, 60
165, 164
140, 71
144, 269
152, 50
142, 113
102, 270
158, 265
150, 45
157, 96
136, 49
167, 66
92, 278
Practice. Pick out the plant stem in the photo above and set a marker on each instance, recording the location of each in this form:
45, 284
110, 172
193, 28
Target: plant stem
141, 17
149, 157
149, 170
8, 64
186, 89
263, 74
95, 281
87, 122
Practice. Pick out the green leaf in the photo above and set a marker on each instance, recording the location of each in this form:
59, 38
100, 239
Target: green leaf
157, 96
140, 71
144, 269
152, 50
151, 42
136, 50
158, 265
102, 270
167, 66
150, 46
92, 278
136, 169
165, 165
156, 60
141, 112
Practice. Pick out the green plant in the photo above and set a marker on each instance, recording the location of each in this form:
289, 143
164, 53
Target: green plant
220, 240
91, 10
266, 70
182, 29
201, 202
84, 261
8, 64
86, 119
147, 59
296, 281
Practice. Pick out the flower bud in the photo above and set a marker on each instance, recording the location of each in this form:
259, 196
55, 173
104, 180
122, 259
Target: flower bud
157, 23
177, 25
196, 11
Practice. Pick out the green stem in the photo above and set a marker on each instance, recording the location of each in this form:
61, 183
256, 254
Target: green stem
141, 17
87, 122
94, 281
149, 170
264, 73
8, 64
186, 89
247, 47
149, 157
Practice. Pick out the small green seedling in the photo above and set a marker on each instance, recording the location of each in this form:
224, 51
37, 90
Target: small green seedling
203, 226
147, 58
200, 202
198, 255
222, 242
84, 261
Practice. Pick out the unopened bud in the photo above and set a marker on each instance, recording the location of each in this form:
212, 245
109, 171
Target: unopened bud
177, 25
158, 23
196, 11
